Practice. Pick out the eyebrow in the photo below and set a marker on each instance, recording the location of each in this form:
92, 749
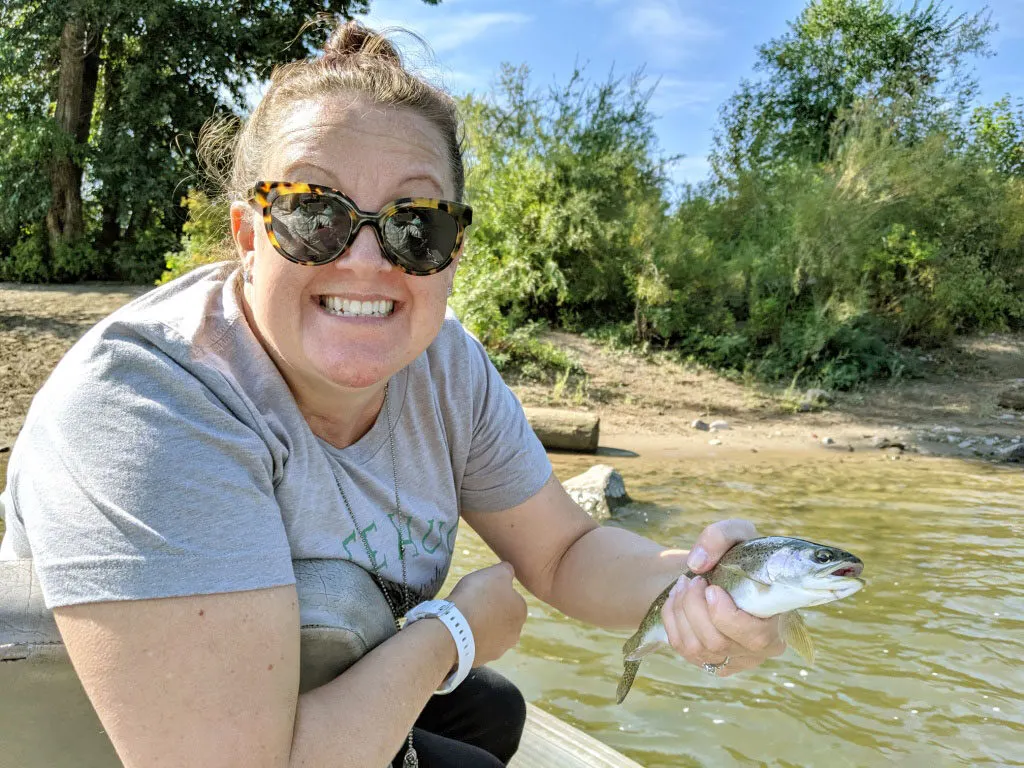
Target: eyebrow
335, 182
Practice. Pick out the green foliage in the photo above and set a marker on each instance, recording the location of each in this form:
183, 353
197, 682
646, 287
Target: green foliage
162, 69
566, 190
205, 236
997, 134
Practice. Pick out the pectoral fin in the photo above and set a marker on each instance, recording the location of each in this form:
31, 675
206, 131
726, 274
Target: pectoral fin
794, 632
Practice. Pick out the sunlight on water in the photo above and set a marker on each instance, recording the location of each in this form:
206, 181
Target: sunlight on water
921, 668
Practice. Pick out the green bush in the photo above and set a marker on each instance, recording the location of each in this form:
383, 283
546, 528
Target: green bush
205, 236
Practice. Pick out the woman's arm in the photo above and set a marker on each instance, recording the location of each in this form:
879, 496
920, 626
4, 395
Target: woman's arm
609, 576
211, 681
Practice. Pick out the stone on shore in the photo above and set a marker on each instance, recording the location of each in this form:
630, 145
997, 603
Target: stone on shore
1013, 453
599, 491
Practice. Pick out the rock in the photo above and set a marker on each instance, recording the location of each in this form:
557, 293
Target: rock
827, 441
714, 442
1012, 398
1007, 417
805, 407
990, 441
1013, 453
966, 443
599, 491
698, 424
718, 426
564, 430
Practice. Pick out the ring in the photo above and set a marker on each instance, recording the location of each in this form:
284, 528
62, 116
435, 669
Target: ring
712, 669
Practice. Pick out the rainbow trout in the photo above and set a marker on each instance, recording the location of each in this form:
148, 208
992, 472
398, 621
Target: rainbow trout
765, 577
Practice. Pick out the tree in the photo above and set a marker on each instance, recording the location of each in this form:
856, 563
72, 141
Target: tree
839, 51
998, 135
96, 95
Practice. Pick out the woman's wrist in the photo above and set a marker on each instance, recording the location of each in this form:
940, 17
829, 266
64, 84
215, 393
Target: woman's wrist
441, 639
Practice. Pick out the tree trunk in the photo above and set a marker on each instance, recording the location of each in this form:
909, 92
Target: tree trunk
76, 92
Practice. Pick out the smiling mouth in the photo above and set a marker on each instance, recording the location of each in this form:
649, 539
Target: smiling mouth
335, 305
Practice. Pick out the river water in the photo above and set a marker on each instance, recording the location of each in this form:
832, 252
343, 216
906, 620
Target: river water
923, 667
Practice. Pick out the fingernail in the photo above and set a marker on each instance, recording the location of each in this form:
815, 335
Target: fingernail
698, 559
698, 583
680, 584
711, 595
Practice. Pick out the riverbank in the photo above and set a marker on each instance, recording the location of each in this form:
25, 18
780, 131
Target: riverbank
950, 410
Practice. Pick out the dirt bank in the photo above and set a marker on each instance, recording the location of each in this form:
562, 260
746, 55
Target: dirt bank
951, 410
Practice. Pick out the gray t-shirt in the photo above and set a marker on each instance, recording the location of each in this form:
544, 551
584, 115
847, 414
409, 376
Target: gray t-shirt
166, 456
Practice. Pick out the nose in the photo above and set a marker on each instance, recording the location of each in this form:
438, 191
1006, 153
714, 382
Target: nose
365, 253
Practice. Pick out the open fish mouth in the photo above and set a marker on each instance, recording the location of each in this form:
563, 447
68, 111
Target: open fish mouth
847, 570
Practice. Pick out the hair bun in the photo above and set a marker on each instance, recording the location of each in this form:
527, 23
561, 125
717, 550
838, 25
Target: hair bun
354, 39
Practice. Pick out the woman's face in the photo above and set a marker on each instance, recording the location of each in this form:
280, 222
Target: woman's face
373, 155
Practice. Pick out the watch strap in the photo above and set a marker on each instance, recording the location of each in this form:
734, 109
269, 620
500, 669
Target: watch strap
449, 615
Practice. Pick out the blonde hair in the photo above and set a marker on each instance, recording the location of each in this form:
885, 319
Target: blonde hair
355, 60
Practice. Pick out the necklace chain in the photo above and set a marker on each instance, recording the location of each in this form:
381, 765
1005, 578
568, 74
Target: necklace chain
411, 760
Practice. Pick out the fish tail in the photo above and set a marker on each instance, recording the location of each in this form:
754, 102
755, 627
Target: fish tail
628, 675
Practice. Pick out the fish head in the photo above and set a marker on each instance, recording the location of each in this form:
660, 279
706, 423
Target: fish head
815, 568
787, 573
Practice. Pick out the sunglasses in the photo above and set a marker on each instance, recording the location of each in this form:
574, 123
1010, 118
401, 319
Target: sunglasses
313, 225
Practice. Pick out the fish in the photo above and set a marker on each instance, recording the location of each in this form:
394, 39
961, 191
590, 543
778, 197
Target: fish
765, 577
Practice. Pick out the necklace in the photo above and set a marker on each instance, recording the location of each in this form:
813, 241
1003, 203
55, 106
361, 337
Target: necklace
410, 760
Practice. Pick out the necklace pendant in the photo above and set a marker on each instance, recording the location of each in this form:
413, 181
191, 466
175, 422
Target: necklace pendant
411, 760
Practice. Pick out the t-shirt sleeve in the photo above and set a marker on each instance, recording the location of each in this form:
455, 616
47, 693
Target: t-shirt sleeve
506, 464
134, 480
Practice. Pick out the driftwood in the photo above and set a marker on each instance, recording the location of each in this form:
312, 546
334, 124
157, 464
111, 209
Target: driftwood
564, 430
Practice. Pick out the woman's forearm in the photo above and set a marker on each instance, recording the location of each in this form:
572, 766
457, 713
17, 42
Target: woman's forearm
610, 576
362, 717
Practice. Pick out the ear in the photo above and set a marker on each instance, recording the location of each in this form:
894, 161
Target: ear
242, 232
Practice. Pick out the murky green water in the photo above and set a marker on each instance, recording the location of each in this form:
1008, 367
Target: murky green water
923, 667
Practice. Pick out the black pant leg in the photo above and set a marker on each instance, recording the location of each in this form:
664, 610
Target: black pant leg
434, 751
486, 711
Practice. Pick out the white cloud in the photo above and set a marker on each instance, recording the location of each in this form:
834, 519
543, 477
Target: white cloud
668, 32
446, 33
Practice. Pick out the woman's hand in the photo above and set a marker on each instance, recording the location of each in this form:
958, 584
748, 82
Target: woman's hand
703, 623
495, 611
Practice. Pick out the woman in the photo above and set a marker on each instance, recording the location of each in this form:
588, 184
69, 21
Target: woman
318, 402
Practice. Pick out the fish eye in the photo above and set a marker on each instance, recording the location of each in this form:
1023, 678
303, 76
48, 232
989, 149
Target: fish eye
823, 555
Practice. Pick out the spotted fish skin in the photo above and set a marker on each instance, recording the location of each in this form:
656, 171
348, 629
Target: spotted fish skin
765, 577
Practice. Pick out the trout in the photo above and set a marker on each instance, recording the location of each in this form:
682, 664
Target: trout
765, 577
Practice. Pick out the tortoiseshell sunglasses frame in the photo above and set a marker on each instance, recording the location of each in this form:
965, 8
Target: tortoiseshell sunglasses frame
264, 193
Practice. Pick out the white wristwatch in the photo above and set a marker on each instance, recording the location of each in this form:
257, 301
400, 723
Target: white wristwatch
452, 618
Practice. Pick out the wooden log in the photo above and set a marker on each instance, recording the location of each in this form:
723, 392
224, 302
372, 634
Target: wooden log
564, 430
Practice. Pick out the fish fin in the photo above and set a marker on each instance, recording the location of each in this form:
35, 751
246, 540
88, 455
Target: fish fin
644, 650
628, 675
794, 632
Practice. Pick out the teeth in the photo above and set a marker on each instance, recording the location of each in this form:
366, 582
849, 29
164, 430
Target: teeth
340, 306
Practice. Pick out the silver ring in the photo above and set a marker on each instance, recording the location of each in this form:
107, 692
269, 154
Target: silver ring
712, 669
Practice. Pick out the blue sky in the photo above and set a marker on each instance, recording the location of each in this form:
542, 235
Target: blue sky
698, 51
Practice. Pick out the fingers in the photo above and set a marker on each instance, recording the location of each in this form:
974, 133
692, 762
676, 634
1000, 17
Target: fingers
751, 634
715, 540
715, 645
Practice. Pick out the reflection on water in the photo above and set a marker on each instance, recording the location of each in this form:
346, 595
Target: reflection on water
921, 668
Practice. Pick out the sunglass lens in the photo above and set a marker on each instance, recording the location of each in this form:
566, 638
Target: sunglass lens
310, 227
422, 239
